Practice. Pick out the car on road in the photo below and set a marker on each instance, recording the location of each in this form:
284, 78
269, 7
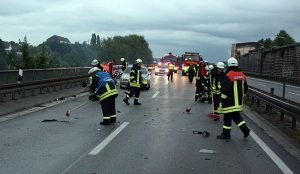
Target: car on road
160, 69
146, 78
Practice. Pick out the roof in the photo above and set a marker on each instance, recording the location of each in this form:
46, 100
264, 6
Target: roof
246, 44
56, 38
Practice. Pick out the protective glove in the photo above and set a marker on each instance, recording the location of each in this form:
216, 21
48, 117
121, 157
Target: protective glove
93, 97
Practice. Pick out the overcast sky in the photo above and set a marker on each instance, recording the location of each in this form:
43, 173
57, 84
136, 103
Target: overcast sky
205, 26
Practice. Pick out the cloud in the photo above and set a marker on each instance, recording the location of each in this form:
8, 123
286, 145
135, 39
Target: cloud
208, 27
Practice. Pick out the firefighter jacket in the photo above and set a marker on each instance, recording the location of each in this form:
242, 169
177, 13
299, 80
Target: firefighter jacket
191, 70
233, 88
216, 79
103, 86
124, 65
135, 76
199, 75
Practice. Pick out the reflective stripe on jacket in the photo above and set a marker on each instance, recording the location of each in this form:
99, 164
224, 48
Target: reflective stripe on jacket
103, 85
233, 88
135, 76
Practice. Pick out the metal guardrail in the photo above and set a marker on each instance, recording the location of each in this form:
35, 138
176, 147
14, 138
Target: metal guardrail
289, 80
21, 88
285, 107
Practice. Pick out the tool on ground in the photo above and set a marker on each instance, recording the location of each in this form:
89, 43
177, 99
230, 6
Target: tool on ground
77, 107
204, 133
212, 114
188, 109
79, 91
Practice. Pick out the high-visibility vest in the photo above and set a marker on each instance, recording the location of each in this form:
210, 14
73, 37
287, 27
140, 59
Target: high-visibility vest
171, 66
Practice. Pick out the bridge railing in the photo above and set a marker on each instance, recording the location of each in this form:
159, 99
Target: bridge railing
30, 75
285, 107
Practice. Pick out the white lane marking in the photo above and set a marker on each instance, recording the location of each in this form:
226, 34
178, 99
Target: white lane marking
261, 84
283, 167
294, 93
154, 95
108, 139
251, 78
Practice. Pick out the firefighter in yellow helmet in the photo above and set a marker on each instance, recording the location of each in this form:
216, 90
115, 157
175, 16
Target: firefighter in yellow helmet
233, 88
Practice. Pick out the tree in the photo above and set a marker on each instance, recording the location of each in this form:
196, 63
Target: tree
93, 40
2, 55
43, 60
283, 38
13, 63
27, 59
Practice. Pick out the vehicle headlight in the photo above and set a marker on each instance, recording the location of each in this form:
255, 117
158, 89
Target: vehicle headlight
167, 70
156, 69
176, 67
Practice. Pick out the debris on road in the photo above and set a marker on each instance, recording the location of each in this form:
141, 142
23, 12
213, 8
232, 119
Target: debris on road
204, 133
207, 151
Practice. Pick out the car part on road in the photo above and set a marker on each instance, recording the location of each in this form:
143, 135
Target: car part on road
77, 107
204, 133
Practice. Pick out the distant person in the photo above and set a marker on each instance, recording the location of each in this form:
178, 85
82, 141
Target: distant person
233, 88
199, 80
191, 71
171, 67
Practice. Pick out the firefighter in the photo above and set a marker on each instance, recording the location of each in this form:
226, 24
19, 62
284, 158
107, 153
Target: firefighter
191, 71
171, 67
135, 82
199, 80
110, 67
103, 89
124, 64
216, 78
233, 88
206, 85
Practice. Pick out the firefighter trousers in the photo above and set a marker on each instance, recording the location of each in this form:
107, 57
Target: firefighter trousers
134, 92
170, 74
108, 106
236, 117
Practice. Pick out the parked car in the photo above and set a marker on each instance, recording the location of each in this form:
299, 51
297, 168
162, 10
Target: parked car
146, 78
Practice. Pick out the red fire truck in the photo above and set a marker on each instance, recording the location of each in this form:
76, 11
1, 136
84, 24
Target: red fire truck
190, 58
170, 58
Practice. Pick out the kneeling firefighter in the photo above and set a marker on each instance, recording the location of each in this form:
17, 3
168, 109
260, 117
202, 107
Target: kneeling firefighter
103, 88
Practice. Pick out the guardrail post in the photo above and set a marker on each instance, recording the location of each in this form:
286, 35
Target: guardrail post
257, 103
32, 92
13, 95
283, 90
252, 99
23, 94
269, 106
281, 116
48, 89
294, 123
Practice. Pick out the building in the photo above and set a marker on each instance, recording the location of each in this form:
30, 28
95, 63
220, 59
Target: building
242, 48
59, 39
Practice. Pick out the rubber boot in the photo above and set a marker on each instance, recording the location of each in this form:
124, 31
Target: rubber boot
125, 100
136, 102
245, 130
225, 135
105, 122
113, 119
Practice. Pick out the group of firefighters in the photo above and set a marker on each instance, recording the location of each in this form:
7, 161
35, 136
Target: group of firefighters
222, 86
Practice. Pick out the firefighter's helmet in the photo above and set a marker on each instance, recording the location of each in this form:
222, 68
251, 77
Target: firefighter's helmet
232, 61
220, 65
139, 61
95, 62
122, 59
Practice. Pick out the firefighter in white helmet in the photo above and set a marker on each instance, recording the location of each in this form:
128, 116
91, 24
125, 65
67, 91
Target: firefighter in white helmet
233, 88
135, 83
124, 63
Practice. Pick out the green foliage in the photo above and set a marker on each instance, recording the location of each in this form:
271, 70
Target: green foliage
131, 47
28, 61
42, 58
2, 56
13, 62
283, 38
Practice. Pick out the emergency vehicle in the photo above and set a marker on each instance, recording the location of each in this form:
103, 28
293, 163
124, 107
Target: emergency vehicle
170, 58
190, 58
